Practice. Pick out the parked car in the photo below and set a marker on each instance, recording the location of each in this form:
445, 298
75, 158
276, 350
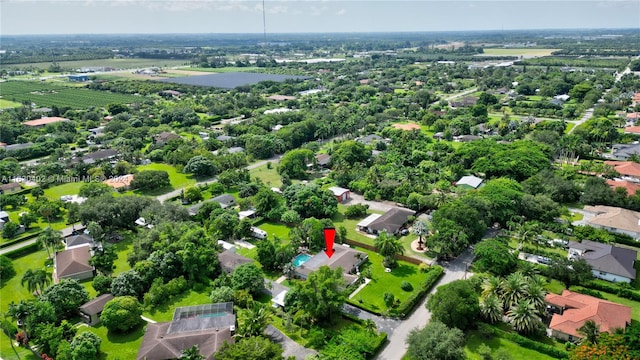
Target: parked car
543, 260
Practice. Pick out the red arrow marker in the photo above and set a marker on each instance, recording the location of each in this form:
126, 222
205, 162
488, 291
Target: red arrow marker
329, 236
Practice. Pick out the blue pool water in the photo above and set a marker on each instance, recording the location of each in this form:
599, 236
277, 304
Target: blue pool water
300, 259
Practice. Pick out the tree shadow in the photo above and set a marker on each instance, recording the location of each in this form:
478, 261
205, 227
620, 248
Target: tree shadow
125, 337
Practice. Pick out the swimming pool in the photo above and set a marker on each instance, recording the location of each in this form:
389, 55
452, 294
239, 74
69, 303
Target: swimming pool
300, 259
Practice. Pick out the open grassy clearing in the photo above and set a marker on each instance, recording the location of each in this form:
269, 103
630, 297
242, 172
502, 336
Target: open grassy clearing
518, 52
70, 188
6, 104
371, 296
12, 290
165, 312
178, 180
268, 176
474, 340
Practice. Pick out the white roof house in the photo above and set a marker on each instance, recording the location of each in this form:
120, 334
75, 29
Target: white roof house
470, 180
368, 220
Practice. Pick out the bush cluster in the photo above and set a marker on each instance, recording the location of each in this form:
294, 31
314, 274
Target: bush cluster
433, 274
532, 344
161, 293
614, 289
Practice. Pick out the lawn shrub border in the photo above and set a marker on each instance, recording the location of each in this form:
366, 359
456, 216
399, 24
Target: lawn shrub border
20, 239
382, 336
532, 344
25, 250
613, 289
433, 275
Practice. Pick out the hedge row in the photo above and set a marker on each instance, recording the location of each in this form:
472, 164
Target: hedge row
381, 339
25, 250
614, 289
589, 292
532, 344
19, 240
433, 275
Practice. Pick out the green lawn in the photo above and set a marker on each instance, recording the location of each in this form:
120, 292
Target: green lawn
6, 104
554, 286
474, 340
11, 290
350, 225
381, 282
190, 298
570, 126
70, 188
178, 180
268, 176
279, 230
116, 345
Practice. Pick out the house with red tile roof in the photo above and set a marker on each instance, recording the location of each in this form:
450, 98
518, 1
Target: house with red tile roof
571, 310
629, 170
632, 129
44, 121
636, 99
630, 187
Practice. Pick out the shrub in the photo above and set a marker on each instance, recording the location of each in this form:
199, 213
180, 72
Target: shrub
406, 286
389, 299
102, 284
356, 211
6, 268
484, 351
121, 313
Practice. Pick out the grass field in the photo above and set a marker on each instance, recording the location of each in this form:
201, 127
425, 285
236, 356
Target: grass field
115, 345
115, 63
178, 180
6, 104
268, 176
525, 52
382, 282
165, 312
49, 94
474, 340
70, 188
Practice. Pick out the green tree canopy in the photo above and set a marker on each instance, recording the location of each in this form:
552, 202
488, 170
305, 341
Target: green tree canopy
455, 304
122, 313
436, 342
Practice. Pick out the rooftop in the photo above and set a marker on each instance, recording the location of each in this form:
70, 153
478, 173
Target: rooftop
630, 187
579, 308
45, 121
229, 260
73, 261
614, 217
628, 168
607, 258
96, 305
391, 221
470, 180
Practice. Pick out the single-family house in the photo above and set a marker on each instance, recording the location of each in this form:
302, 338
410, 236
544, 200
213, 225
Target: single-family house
469, 182
392, 221
341, 194
323, 160
344, 257
173, 93
614, 219
624, 151
635, 129
632, 118
628, 170
4, 218
73, 241
467, 138
224, 138
45, 121
78, 78
10, 188
608, 262
97, 156
231, 150
630, 188
370, 139
73, 264
363, 225
225, 201
280, 97
229, 260
571, 310
91, 310
165, 136
563, 97
206, 326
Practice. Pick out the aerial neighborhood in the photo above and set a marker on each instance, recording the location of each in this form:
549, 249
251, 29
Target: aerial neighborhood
391, 196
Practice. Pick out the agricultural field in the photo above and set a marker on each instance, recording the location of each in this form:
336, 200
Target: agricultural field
47, 94
6, 104
114, 63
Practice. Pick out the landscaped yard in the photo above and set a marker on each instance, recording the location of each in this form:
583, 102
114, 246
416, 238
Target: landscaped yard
178, 180
350, 225
474, 340
279, 230
70, 188
635, 305
115, 345
165, 312
371, 296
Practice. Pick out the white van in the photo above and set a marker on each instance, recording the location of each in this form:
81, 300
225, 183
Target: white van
258, 233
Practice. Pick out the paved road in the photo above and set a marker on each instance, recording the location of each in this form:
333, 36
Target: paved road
65, 232
291, 348
588, 114
396, 347
460, 94
373, 205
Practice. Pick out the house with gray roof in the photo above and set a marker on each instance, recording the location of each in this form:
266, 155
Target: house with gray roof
206, 326
344, 257
370, 139
392, 221
73, 264
78, 240
624, 151
608, 262
229, 260
225, 201
91, 310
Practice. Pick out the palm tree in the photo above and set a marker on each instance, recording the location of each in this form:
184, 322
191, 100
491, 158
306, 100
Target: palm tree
491, 286
50, 238
513, 289
523, 317
388, 245
590, 330
253, 321
491, 308
420, 228
36, 280
19, 312
535, 293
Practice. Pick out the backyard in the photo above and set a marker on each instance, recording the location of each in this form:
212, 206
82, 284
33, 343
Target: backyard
475, 339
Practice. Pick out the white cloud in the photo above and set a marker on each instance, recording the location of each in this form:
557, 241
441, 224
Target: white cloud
341, 12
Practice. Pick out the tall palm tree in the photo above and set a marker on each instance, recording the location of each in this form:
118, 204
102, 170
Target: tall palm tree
36, 280
420, 228
513, 289
523, 317
50, 238
590, 330
535, 293
388, 245
491, 308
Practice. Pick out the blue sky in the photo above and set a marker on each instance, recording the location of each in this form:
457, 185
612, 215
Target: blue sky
295, 16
